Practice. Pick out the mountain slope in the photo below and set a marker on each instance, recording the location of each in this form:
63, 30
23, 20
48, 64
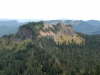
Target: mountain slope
94, 22
9, 27
37, 53
81, 26
8, 30
59, 32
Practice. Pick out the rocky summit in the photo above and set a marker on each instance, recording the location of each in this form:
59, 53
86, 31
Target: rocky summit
59, 32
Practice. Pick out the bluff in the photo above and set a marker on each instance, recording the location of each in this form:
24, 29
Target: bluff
59, 32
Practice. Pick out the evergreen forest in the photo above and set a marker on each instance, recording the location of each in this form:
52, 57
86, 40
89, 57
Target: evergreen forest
42, 56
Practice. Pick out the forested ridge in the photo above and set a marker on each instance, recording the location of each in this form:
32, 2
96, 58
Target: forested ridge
42, 56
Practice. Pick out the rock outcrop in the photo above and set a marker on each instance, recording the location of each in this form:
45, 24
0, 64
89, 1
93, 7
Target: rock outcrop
66, 29
24, 33
59, 32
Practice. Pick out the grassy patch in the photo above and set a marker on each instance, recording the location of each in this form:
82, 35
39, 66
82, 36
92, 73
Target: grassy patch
68, 39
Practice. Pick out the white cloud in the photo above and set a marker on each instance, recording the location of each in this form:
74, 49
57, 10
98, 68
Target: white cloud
50, 9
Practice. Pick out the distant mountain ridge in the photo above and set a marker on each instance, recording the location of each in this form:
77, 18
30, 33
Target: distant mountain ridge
8, 26
10, 23
93, 22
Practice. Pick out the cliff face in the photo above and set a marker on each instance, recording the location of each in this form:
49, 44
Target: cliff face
67, 30
24, 33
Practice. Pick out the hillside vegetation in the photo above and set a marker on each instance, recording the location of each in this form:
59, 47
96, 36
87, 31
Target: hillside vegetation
39, 54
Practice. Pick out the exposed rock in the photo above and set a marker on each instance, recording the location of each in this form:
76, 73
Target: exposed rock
47, 33
66, 30
24, 33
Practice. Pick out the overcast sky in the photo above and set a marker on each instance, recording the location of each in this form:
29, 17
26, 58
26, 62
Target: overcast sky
50, 9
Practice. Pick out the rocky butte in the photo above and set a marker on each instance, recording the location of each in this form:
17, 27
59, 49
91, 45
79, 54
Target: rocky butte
59, 32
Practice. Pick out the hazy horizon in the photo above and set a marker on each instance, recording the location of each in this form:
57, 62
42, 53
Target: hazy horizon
8, 19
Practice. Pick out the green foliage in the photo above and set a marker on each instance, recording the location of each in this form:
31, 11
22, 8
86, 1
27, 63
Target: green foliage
34, 27
44, 57
97, 70
51, 29
56, 27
